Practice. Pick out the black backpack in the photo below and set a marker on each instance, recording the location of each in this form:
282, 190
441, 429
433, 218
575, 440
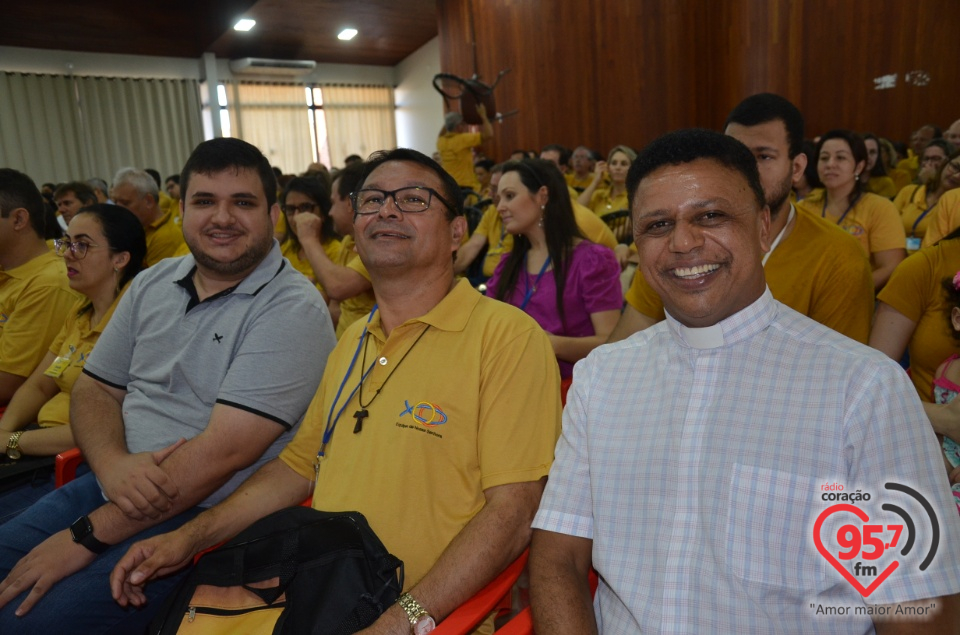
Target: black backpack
297, 570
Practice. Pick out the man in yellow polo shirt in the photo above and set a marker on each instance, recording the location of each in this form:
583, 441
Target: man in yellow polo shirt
456, 145
34, 294
436, 417
138, 192
344, 278
813, 267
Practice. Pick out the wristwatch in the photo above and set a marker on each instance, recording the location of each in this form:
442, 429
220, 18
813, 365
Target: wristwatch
82, 533
420, 620
13, 446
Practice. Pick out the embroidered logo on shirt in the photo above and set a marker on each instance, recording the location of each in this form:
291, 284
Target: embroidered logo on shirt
217, 337
425, 413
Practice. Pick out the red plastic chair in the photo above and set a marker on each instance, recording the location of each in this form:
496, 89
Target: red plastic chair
65, 466
522, 623
469, 614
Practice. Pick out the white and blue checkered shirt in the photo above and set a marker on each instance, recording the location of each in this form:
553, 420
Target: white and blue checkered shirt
694, 459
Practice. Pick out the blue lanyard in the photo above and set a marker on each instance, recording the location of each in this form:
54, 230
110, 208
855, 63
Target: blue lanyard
913, 230
331, 420
823, 213
531, 289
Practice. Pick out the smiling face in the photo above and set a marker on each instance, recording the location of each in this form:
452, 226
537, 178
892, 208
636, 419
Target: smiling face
95, 271
519, 208
227, 224
836, 165
701, 237
402, 242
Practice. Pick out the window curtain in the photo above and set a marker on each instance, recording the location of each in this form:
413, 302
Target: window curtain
144, 123
360, 120
59, 128
275, 119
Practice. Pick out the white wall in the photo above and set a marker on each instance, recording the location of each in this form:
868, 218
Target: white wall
26, 60
419, 106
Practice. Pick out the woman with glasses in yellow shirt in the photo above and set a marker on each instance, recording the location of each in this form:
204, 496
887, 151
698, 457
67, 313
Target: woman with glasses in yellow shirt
103, 248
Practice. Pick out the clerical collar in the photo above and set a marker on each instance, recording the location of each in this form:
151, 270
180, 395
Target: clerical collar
738, 327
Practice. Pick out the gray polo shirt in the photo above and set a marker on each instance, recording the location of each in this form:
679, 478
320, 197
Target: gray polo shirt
260, 346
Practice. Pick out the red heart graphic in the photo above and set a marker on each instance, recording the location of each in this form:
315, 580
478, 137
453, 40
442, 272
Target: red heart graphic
862, 515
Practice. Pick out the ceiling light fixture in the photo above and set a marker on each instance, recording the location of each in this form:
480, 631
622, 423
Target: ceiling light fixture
347, 34
244, 24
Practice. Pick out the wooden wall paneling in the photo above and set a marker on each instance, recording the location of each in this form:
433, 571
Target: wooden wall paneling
626, 72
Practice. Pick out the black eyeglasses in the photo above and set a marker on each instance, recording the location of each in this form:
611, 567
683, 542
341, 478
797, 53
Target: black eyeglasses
303, 208
78, 249
409, 200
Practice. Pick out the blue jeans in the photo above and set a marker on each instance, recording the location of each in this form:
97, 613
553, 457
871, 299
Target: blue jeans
14, 502
82, 602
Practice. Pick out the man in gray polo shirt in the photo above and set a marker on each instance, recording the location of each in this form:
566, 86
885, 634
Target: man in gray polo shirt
201, 376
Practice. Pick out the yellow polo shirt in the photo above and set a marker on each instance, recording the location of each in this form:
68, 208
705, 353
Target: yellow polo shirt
602, 203
579, 185
34, 302
911, 202
944, 217
288, 251
462, 399
72, 346
592, 228
882, 186
499, 241
169, 205
916, 290
819, 270
456, 156
359, 306
164, 238
873, 221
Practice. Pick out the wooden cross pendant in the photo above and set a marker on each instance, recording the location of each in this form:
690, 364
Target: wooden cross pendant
360, 415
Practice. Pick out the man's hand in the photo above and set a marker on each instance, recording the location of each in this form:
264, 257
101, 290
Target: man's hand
139, 486
49, 562
308, 226
146, 560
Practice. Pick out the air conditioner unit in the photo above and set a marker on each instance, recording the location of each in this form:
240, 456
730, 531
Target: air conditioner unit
260, 66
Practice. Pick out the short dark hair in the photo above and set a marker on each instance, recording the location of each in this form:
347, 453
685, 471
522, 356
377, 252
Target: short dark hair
486, 164
124, 232
217, 155
451, 191
155, 175
352, 158
174, 177
764, 107
565, 153
82, 191
18, 190
941, 143
348, 179
686, 146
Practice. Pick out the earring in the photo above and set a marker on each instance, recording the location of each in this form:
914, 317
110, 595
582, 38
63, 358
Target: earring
856, 175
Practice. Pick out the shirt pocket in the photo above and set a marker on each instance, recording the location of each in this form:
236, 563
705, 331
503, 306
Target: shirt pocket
770, 530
